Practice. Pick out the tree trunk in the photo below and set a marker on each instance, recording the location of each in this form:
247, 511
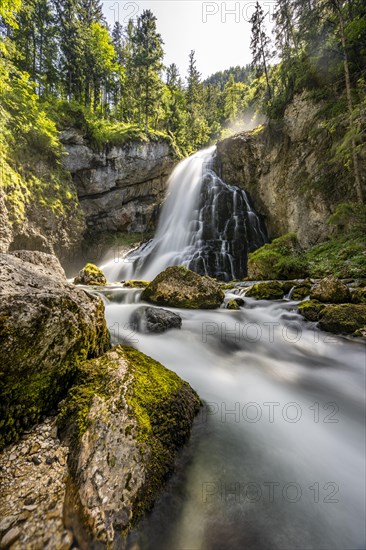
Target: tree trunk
356, 166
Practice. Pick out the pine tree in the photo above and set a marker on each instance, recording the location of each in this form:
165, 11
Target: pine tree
260, 46
197, 127
148, 61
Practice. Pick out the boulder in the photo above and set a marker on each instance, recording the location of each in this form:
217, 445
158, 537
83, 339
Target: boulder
154, 319
330, 290
344, 318
90, 275
358, 296
177, 286
233, 305
134, 283
125, 419
47, 327
310, 309
272, 290
301, 291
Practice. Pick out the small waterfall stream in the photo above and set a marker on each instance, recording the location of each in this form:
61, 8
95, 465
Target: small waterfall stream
205, 225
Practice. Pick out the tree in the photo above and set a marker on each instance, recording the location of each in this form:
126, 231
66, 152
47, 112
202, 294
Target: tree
260, 45
149, 63
197, 127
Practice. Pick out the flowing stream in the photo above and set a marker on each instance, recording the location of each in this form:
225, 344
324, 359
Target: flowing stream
276, 459
277, 456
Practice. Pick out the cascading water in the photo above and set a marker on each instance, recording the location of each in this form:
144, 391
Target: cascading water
205, 225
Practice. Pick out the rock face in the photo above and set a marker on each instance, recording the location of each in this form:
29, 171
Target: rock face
284, 167
120, 188
154, 319
180, 287
90, 275
46, 328
125, 419
331, 290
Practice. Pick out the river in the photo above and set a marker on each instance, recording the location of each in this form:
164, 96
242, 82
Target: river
277, 455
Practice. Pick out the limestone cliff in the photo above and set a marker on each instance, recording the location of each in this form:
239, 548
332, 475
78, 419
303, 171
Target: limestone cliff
288, 171
120, 188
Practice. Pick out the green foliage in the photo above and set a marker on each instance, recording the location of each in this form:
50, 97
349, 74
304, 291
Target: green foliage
283, 258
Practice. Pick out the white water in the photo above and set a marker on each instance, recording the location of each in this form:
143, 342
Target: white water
261, 354
205, 224
174, 232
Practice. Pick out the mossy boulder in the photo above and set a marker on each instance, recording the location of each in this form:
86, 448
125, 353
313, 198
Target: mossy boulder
301, 291
281, 259
358, 296
331, 290
90, 275
266, 291
47, 327
178, 286
343, 318
310, 309
125, 418
233, 305
134, 283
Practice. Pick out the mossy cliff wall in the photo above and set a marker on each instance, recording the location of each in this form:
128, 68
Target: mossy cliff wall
289, 171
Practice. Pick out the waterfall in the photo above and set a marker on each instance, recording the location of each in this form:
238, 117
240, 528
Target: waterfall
205, 225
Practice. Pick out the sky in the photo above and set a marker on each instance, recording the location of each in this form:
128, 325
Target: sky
219, 32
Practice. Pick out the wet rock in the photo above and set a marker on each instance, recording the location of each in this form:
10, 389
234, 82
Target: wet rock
330, 290
90, 275
154, 319
233, 305
46, 327
180, 287
301, 291
125, 418
344, 318
310, 309
134, 283
272, 290
358, 296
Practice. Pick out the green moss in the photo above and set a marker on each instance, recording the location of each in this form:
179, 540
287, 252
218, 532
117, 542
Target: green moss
344, 318
281, 259
266, 291
301, 291
232, 304
134, 283
343, 256
32, 381
358, 296
310, 309
90, 275
158, 401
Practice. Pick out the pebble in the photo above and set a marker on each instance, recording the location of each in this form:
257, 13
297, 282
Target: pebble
32, 491
10, 537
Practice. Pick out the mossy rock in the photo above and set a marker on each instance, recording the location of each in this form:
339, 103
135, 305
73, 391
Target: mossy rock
90, 275
343, 318
266, 291
135, 284
233, 305
331, 290
358, 296
310, 309
300, 292
281, 259
180, 287
47, 327
125, 418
